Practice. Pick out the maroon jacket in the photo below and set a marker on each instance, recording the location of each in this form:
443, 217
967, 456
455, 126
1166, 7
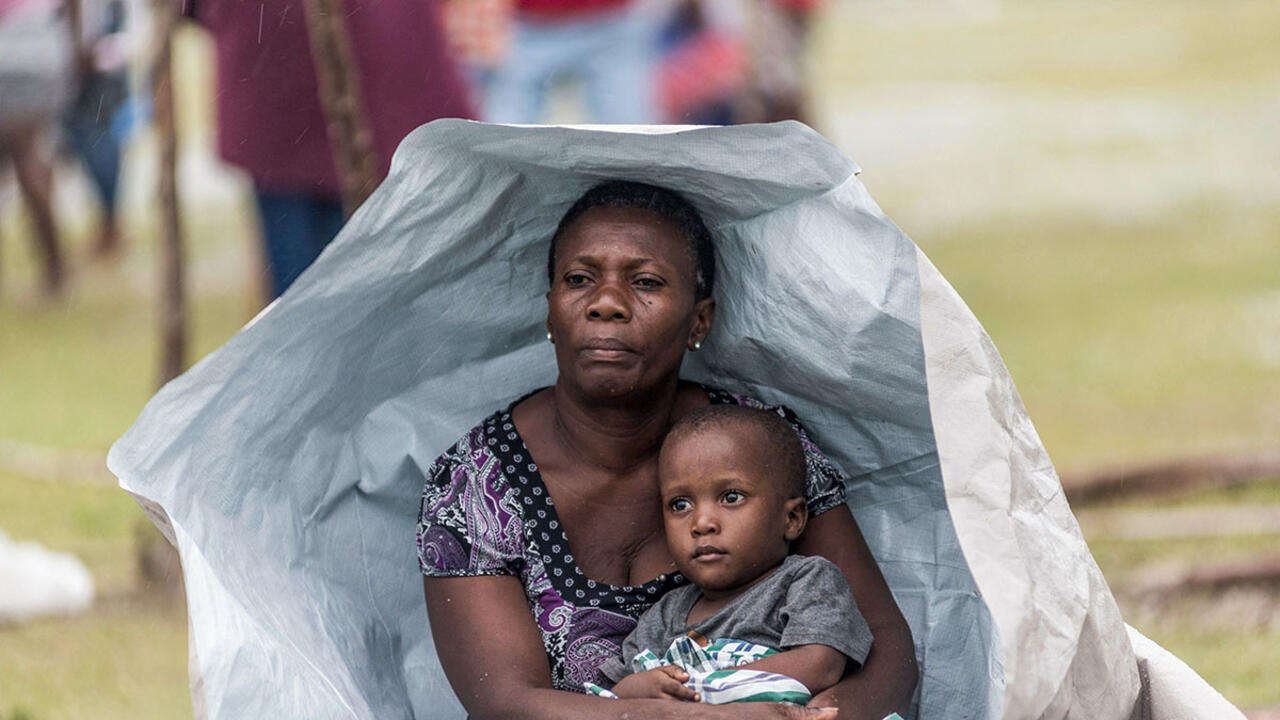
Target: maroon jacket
564, 9
270, 121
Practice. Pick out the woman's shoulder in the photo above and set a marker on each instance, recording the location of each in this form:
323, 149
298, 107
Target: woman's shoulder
720, 396
470, 521
473, 448
480, 463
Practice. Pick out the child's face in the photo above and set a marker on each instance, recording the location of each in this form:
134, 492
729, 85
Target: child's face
727, 520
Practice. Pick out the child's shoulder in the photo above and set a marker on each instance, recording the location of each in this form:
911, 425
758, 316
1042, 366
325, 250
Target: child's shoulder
812, 567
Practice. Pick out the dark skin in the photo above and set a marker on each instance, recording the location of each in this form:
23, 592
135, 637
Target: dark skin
622, 313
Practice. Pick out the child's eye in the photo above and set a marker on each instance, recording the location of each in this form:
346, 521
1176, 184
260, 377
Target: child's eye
679, 505
733, 497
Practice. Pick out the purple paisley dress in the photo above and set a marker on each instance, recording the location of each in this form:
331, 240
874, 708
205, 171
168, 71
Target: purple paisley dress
486, 511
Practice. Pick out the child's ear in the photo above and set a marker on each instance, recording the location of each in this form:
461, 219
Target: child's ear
797, 515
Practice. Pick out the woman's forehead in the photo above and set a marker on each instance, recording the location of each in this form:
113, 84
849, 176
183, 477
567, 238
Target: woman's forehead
608, 230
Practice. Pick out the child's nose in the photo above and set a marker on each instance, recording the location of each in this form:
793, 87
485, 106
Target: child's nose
705, 523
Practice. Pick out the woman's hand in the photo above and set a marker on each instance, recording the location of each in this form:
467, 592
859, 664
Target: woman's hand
661, 682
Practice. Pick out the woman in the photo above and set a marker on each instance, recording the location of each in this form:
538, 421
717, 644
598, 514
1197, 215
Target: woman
573, 466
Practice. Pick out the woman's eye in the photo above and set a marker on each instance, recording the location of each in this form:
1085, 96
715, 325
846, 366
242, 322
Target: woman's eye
679, 505
733, 497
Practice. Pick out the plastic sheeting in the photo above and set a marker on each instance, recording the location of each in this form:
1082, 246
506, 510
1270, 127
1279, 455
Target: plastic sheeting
287, 465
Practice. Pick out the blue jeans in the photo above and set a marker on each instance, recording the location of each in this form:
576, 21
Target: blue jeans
611, 53
296, 227
88, 123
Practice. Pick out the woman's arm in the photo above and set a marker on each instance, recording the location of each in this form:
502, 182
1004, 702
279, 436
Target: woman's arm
493, 656
887, 681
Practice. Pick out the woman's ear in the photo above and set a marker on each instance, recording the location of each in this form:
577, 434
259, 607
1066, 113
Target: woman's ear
797, 516
704, 315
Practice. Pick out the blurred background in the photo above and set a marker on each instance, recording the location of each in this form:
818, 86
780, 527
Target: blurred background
1099, 181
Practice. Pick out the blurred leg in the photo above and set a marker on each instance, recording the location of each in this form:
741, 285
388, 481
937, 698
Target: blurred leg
619, 69
35, 178
295, 229
328, 220
89, 128
516, 91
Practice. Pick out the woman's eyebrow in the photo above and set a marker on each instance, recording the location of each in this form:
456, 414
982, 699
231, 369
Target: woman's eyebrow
596, 261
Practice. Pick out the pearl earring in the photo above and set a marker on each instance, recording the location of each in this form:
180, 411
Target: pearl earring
553, 342
697, 344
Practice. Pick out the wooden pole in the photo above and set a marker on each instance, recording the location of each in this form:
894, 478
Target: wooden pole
172, 298
340, 97
1168, 477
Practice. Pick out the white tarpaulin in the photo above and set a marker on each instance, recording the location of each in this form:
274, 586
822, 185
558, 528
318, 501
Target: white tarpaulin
287, 465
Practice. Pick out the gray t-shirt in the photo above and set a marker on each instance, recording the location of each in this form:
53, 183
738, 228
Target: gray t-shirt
806, 601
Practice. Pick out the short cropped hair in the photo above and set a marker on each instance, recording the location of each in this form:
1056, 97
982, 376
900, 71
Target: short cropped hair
773, 434
667, 204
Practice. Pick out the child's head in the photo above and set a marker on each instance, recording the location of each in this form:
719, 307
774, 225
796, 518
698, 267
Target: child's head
732, 480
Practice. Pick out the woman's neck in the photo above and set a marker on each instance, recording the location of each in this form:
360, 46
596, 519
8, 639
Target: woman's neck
616, 435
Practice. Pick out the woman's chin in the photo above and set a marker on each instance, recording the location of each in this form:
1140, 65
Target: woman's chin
610, 390
611, 383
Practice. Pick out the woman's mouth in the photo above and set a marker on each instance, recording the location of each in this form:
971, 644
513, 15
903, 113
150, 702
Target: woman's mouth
605, 349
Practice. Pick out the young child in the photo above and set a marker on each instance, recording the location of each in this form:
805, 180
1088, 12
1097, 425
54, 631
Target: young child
755, 620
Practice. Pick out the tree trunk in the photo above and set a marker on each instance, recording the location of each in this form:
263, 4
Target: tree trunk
339, 85
1168, 477
172, 298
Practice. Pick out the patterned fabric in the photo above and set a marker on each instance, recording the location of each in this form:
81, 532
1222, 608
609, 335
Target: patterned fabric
486, 511
713, 672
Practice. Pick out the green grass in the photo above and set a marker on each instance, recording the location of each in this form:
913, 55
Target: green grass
1128, 341
98, 524
1096, 49
76, 375
124, 661
1240, 665
126, 657
1236, 650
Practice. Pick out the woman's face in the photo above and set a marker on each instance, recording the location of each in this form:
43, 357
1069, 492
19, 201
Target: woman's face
621, 306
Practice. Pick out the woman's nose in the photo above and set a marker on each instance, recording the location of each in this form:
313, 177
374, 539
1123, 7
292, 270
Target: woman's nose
608, 304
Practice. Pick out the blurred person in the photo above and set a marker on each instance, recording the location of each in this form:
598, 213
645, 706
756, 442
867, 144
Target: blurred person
703, 62
96, 121
479, 32
35, 67
606, 45
777, 37
272, 123
728, 61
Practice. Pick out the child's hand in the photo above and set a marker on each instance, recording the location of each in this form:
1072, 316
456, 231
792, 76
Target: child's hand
662, 682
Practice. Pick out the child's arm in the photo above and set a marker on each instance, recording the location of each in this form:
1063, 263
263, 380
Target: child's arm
822, 629
817, 667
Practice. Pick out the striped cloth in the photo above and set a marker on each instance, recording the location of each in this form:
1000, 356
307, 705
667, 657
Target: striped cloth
714, 673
